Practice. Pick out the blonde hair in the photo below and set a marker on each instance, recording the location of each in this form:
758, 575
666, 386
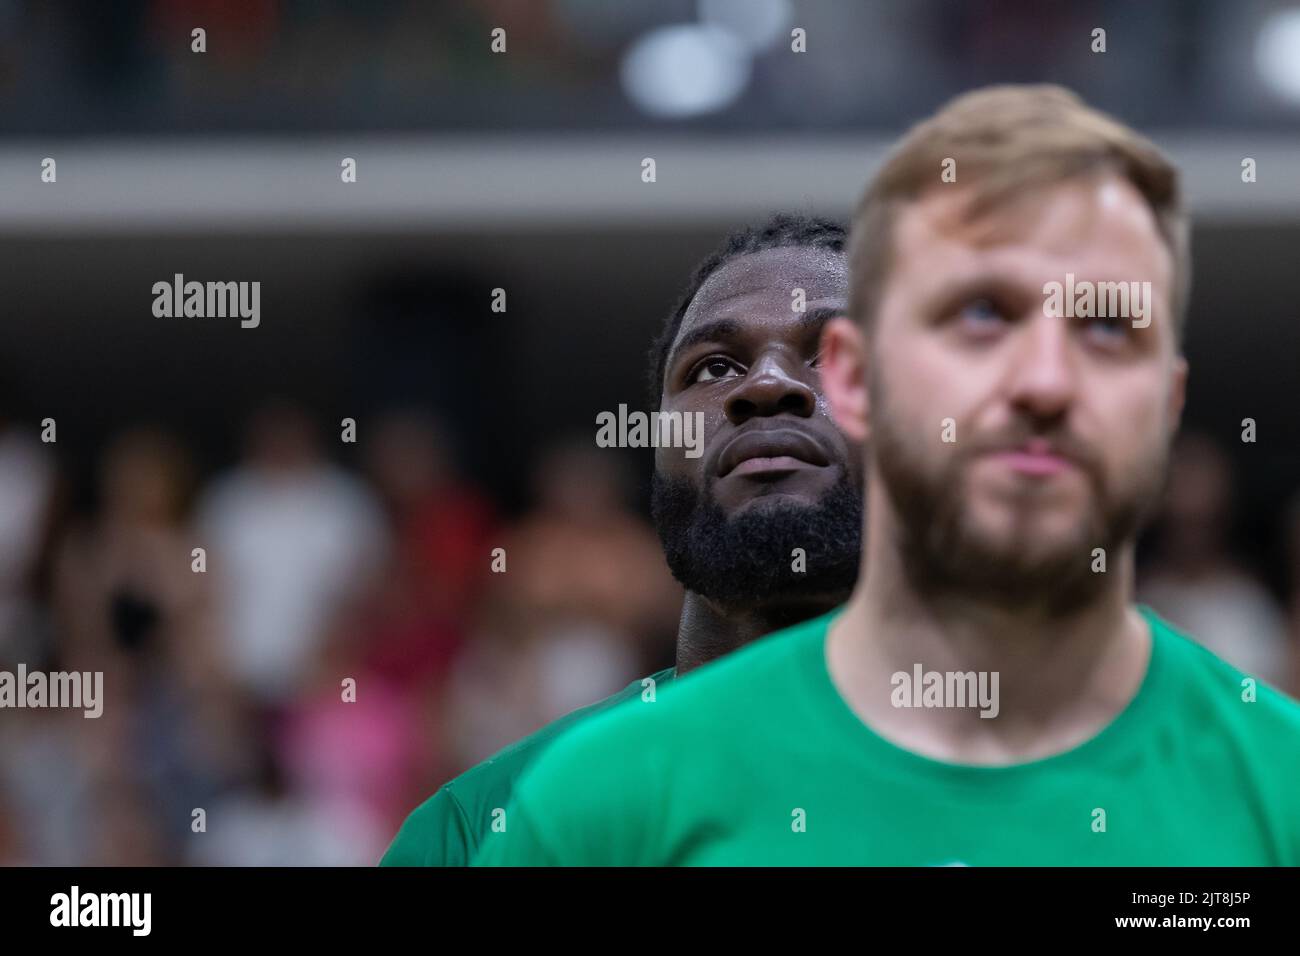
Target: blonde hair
1008, 140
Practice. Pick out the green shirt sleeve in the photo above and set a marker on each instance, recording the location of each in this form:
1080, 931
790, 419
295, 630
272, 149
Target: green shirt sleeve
523, 844
436, 833
590, 800
449, 828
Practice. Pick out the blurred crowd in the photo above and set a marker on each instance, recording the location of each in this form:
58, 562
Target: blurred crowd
347, 639
129, 65
350, 637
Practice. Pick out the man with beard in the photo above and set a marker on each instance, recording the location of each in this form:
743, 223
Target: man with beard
990, 695
763, 529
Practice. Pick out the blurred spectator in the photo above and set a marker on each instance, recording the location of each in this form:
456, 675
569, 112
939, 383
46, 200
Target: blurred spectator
26, 489
46, 781
127, 831
271, 824
442, 524
129, 604
584, 596
11, 849
409, 629
291, 539
125, 586
1196, 582
354, 740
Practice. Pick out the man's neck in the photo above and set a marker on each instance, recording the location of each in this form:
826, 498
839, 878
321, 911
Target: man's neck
708, 630
1060, 679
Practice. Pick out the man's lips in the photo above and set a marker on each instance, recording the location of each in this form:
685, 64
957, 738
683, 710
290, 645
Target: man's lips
783, 449
1035, 457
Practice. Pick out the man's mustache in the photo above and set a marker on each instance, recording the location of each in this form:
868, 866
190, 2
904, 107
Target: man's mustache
1059, 442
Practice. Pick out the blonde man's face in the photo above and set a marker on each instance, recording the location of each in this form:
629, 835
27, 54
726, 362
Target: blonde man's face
1020, 436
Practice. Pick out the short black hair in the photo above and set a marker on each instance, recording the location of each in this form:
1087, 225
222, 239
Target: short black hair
782, 229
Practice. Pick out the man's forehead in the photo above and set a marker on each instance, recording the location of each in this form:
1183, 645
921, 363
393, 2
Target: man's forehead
772, 274
1102, 218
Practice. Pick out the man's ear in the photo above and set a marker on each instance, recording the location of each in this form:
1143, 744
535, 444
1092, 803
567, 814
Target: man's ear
844, 376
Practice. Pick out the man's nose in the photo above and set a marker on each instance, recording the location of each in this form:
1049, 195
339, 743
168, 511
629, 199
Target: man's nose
772, 386
1043, 376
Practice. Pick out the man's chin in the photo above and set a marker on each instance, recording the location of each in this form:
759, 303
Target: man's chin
1020, 568
772, 500
740, 552
1051, 541
1018, 525
802, 489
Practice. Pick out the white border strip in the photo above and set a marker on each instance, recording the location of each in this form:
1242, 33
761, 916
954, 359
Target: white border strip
484, 183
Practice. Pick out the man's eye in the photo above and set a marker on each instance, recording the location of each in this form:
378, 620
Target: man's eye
1107, 330
712, 369
981, 315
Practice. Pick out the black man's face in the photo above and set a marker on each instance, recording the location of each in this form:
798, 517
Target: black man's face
747, 360
776, 473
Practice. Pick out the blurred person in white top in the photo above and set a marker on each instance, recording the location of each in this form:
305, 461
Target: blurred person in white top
575, 618
291, 538
1196, 582
26, 491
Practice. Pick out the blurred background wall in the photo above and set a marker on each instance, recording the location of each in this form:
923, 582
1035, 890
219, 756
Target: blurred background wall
476, 171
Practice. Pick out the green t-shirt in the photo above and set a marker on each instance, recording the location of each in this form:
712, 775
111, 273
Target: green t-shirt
757, 760
446, 829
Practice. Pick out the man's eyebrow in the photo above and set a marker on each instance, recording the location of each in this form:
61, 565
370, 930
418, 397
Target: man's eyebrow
708, 332
982, 280
1012, 290
814, 319
721, 329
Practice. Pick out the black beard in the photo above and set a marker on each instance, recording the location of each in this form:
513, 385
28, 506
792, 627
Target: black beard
746, 561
